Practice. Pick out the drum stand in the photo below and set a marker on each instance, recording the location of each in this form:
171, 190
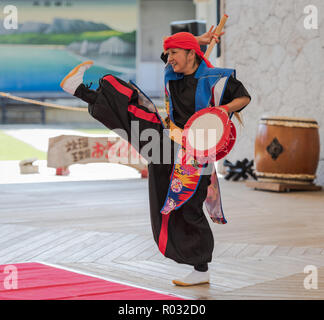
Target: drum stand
281, 187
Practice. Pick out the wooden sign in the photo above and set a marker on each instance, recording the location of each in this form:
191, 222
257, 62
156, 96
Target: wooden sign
66, 150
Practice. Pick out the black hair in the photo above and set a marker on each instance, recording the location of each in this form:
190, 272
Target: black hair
198, 59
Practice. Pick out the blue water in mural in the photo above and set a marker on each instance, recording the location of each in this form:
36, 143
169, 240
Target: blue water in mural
40, 68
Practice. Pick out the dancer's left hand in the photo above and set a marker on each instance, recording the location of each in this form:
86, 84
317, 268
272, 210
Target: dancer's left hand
208, 36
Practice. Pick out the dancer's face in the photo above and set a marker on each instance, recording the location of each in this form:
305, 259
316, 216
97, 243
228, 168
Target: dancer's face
182, 61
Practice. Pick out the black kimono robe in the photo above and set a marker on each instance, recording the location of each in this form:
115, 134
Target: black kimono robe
189, 239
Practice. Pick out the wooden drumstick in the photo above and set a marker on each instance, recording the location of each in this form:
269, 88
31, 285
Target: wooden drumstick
218, 31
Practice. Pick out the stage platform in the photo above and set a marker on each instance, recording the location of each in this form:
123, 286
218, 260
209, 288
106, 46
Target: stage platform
102, 228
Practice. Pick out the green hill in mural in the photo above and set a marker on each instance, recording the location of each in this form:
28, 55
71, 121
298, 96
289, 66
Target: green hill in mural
62, 32
64, 38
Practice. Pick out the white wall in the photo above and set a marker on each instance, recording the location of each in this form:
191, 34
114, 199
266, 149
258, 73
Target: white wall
280, 63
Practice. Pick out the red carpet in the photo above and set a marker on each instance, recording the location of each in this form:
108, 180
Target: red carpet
36, 281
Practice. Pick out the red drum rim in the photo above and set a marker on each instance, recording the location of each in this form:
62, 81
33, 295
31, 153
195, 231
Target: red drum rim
221, 144
230, 144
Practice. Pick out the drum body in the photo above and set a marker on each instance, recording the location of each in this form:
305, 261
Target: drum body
287, 150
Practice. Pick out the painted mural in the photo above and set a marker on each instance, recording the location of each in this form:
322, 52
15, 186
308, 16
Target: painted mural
54, 36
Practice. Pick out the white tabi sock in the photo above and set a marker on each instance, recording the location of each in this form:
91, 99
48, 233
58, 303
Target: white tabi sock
75, 77
193, 278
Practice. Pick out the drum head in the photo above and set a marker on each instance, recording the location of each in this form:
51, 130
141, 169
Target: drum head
206, 133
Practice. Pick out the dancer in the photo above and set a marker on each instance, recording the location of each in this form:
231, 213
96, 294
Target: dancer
182, 234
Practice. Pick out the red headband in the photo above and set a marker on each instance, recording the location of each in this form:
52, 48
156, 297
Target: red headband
185, 40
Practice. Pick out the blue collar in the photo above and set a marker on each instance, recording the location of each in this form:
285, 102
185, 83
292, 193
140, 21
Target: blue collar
207, 78
169, 74
202, 70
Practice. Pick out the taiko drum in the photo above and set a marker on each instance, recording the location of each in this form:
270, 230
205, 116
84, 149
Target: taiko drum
287, 150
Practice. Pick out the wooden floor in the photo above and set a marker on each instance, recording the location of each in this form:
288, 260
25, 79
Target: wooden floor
103, 228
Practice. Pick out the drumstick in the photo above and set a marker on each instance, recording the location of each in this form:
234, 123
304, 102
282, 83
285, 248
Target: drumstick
218, 31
